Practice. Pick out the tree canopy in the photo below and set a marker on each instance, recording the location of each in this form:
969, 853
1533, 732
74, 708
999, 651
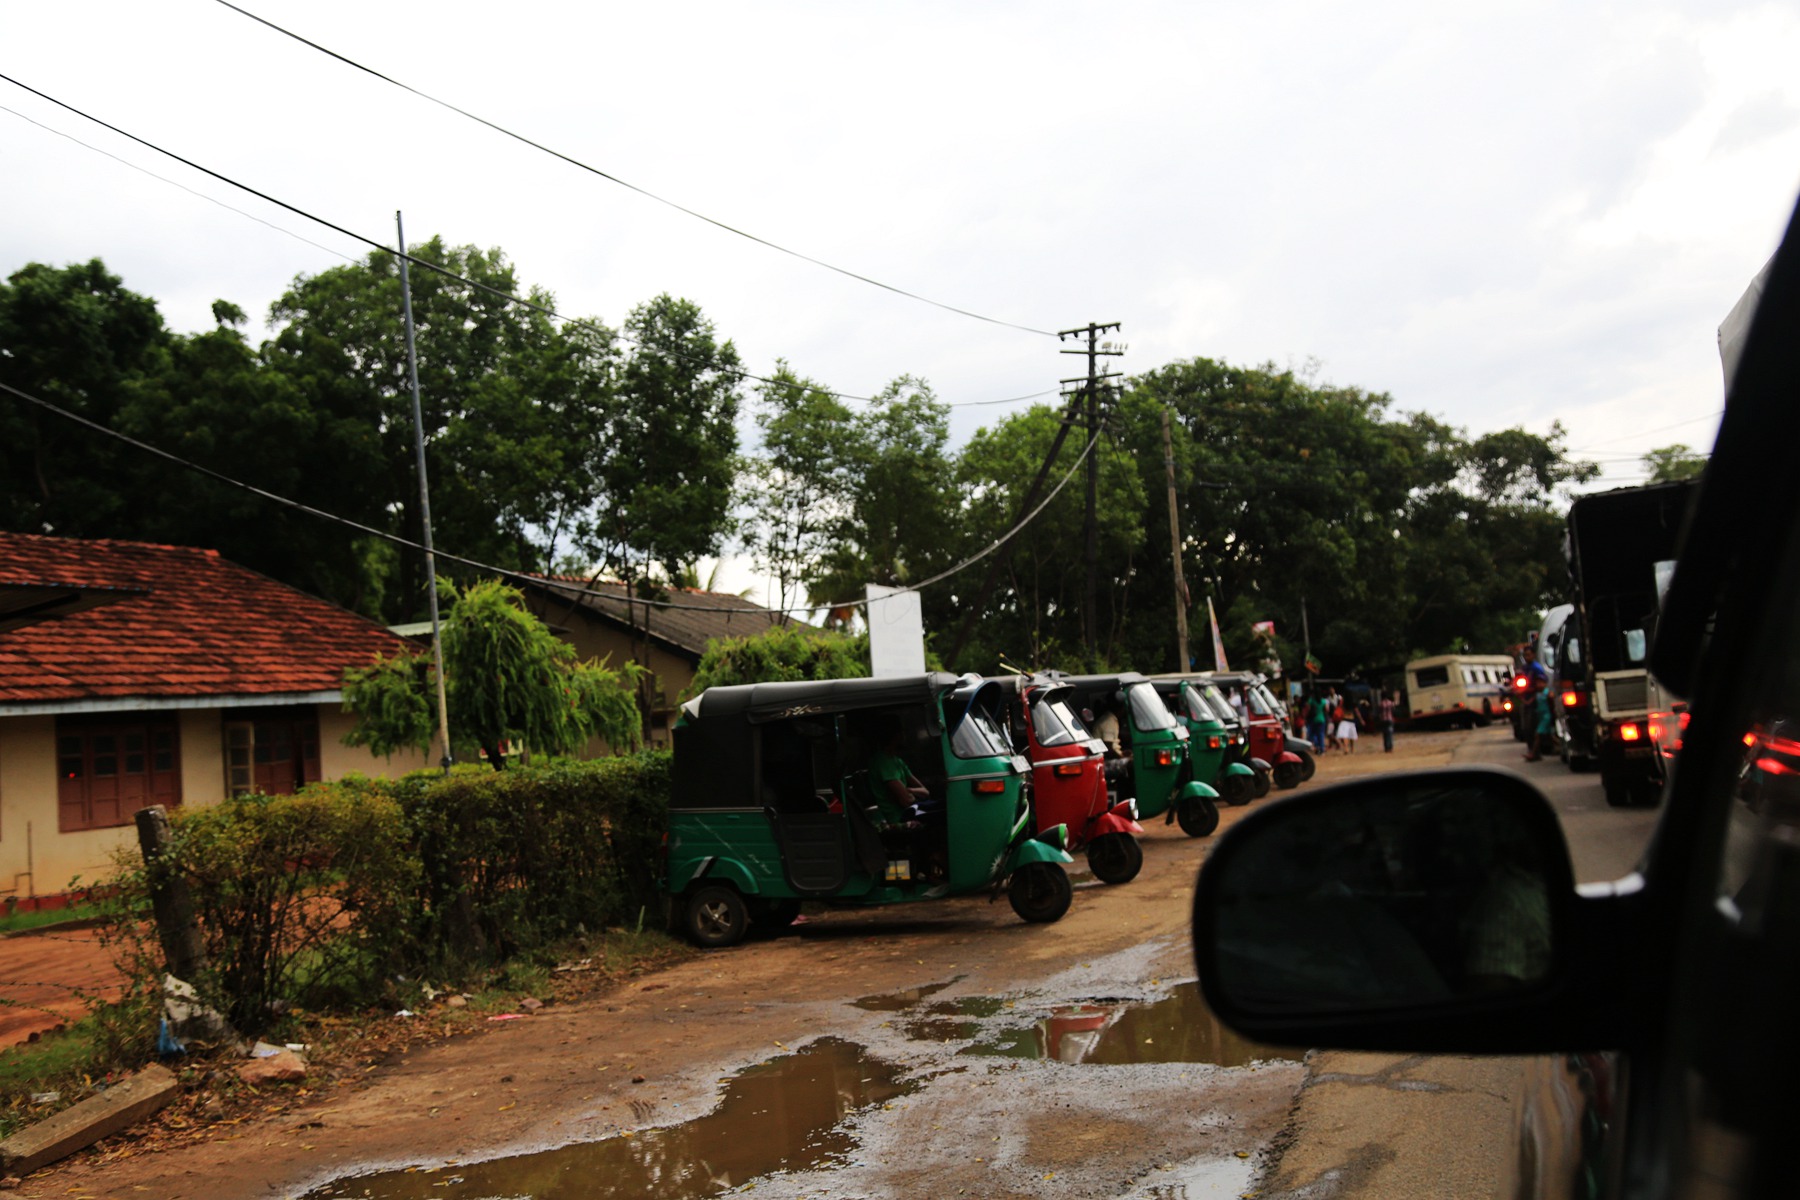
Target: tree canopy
569, 446
509, 681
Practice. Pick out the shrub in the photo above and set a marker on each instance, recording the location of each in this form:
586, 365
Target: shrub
300, 899
511, 861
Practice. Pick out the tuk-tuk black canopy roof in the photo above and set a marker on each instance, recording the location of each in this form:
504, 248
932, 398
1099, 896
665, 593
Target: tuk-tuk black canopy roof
759, 702
1091, 684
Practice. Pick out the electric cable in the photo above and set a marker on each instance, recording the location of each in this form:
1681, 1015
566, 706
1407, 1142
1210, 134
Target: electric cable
424, 264
508, 573
592, 170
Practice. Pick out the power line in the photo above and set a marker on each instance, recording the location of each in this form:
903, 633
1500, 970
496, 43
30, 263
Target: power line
374, 244
1642, 432
299, 237
592, 170
504, 572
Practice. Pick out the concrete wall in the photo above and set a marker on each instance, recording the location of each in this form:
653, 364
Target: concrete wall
28, 794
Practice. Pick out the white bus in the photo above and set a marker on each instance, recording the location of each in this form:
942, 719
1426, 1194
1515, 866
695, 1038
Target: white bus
1456, 689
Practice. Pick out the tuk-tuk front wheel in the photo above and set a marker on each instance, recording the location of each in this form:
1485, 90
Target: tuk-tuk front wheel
1115, 858
1040, 892
1261, 788
1197, 815
1308, 765
715, 916
1288, 775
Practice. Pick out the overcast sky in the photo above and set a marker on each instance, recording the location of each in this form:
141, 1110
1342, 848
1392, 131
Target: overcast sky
1538, 213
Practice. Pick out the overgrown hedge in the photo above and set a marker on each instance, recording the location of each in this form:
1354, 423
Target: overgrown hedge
322, 898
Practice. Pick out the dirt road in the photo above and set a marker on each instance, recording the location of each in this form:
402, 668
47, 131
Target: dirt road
982, 1041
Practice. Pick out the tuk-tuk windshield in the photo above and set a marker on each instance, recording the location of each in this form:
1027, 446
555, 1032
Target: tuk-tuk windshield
1056, 724
1148, 712
1268, 698
1257, 702
1220, 705
1197, 707
977, 736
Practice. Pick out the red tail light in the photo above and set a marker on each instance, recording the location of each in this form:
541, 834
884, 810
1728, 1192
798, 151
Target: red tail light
1571, 699
990, 787
1520, 683
1630, 733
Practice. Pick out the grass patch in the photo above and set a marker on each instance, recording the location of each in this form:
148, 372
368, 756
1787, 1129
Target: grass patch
39, 918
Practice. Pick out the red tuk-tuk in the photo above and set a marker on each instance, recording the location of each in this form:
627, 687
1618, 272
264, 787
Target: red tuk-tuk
1267, 731
1068, 781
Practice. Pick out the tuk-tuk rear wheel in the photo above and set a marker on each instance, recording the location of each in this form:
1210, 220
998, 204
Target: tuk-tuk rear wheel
1262, 785
1115, 858
1197, 815
715, 916
1040, 892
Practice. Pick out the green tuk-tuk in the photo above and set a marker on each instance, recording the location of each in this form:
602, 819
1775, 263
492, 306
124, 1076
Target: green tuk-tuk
1213, 735
850, 791
1151, 763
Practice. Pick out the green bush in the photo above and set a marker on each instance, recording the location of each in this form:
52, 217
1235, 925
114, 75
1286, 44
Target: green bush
513, 860
319, 899
300, 900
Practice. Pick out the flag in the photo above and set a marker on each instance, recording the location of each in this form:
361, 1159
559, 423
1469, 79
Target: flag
1219, 663
1263, 629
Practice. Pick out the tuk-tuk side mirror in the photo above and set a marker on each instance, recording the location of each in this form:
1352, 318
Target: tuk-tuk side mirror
1418, 911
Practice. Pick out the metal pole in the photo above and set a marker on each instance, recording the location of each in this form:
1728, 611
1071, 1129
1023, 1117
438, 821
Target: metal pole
442, 741
1181, 628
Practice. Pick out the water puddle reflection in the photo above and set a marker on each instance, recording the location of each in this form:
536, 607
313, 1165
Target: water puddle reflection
779, 1115
1179, 1028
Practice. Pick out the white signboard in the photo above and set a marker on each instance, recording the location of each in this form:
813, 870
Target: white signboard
896, 631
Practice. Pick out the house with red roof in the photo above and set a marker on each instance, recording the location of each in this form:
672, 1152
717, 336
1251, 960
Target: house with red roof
134, 674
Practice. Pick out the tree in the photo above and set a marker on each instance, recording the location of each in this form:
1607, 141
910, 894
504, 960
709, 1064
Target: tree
1033, 616
900, 520
78, 338
671, 450
797, 488
1672, 464
509, 680
515, 410
784, 652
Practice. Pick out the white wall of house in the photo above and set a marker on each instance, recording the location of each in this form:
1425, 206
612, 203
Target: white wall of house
37, 859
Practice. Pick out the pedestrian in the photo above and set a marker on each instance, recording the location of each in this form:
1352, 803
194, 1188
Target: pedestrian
1346, 731
1315, 721
1334, 717
1387, 723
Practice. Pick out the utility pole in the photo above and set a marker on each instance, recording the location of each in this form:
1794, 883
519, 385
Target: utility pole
1181, 588
1092, 397
441, 743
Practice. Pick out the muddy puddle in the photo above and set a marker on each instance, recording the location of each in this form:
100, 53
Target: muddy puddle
783, 1115
1179, 1028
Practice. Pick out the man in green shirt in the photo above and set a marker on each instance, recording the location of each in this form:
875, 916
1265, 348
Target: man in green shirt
895, 787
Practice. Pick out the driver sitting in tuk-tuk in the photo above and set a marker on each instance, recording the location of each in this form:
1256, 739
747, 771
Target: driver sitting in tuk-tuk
896, 789
903, 803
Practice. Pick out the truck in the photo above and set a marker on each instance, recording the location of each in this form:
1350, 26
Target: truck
1621, 547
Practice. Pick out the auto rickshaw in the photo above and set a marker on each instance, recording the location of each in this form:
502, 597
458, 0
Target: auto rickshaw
1267, 731
1215, 739
1152, 764
1068, 779
774, 802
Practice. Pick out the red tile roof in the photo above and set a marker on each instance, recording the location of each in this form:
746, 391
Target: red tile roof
207, 627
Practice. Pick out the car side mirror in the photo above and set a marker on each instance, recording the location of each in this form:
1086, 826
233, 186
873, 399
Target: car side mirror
1386, 912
